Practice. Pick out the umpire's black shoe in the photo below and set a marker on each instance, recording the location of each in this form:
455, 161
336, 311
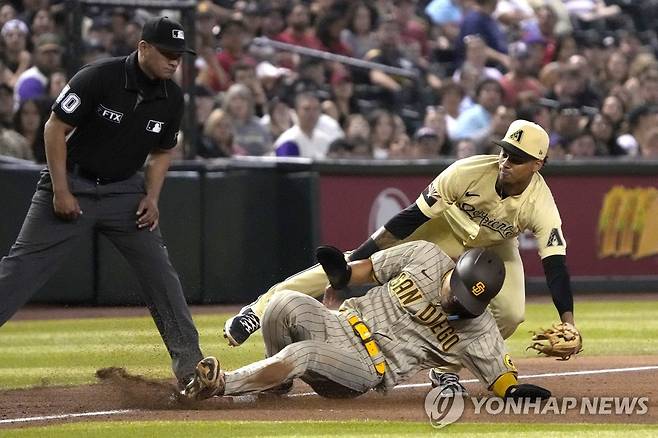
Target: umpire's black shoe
447, 379
238, 328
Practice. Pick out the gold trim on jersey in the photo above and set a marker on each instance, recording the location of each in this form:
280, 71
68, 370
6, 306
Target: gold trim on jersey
363, 332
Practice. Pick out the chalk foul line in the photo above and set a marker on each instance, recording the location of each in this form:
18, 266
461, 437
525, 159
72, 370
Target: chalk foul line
250, 398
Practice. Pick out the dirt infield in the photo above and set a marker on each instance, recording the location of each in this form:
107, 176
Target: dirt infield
152, 402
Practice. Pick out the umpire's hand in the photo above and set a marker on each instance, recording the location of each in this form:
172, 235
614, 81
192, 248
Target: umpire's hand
148, 214
66, 205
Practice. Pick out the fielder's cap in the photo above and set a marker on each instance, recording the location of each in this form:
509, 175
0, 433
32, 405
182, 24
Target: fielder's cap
166, 34
525, 139
477, 278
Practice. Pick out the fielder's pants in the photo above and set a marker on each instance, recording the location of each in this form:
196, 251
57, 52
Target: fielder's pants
303, 339
508, 307
45, 242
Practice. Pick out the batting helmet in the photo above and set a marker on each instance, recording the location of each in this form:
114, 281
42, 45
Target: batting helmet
477, 278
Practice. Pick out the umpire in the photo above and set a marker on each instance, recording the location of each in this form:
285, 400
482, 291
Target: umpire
111, 117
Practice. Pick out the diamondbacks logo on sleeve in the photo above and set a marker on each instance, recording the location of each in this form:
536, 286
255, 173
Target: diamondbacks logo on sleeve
554, 239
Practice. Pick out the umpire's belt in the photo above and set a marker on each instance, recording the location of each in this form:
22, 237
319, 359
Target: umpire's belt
75, 169
363, 332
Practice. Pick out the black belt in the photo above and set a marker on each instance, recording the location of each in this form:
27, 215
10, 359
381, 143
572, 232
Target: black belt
75, 169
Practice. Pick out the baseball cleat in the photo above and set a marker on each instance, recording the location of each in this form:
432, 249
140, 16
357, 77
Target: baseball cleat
447, 379
208, 380
238, 328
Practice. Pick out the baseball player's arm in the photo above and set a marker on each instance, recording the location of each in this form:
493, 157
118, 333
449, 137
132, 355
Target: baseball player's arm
64, 203
559, 283
440, 194
158, 162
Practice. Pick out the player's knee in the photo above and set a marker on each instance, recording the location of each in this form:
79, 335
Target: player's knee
280, 305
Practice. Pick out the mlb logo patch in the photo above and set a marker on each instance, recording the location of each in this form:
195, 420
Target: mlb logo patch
154, 126
178, 34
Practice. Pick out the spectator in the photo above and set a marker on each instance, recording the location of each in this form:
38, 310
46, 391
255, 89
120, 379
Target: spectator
640, 120
29, 121
465, 148
56, 83
278, 118
572, 88
649, 145
567, 124
426, 144
34, 81
478, 20
232, 41
343, 148
218, 140
603, 133
614, 109
451, 96
581, 146
304, 139
245, 73
382, 133
249, 134
502, 118
42, 23
359, 36
7, 12
520, 88
299, 31
413, 30
399, 90
435, 119
616, 70
400, 148
476, 59
357, 130
343, 102
6, 105
475, 122
546, 32
15, 55
328, 30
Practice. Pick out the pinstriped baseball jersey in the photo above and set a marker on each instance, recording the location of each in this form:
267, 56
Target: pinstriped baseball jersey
407, 321
465, 195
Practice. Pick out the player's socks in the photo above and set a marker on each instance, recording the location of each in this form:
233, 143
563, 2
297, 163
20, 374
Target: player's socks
238, 328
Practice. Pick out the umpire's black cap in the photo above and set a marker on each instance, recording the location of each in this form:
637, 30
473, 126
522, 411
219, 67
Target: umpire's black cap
166, 34
477, 278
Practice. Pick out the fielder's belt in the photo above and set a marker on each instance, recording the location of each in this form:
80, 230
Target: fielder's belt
363, 332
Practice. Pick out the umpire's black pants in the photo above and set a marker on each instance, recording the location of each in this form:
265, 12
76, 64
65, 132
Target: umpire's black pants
45, 242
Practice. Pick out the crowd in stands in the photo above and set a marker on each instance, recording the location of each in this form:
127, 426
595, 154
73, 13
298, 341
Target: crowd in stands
585, 70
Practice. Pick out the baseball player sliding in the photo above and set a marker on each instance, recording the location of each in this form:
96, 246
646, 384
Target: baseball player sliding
426, 312
484, 201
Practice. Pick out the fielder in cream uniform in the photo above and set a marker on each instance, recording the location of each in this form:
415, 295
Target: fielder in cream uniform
480, 201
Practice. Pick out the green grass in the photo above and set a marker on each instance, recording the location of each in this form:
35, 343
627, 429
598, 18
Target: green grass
361, 429
68, 352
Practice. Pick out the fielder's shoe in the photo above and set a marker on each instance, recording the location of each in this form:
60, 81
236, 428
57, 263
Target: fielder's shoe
238, 328
447, 379
208, 380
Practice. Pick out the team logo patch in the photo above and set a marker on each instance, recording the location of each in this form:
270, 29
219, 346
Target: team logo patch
154, 126
108, 114
431, 195
507, 360
178, 34
478, 288
516, 136
554, 239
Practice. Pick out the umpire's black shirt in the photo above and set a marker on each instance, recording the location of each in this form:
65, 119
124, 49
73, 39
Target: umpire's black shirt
119, 115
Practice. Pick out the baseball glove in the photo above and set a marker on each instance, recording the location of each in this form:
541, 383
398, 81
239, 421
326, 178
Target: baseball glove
561, 340
335, 266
